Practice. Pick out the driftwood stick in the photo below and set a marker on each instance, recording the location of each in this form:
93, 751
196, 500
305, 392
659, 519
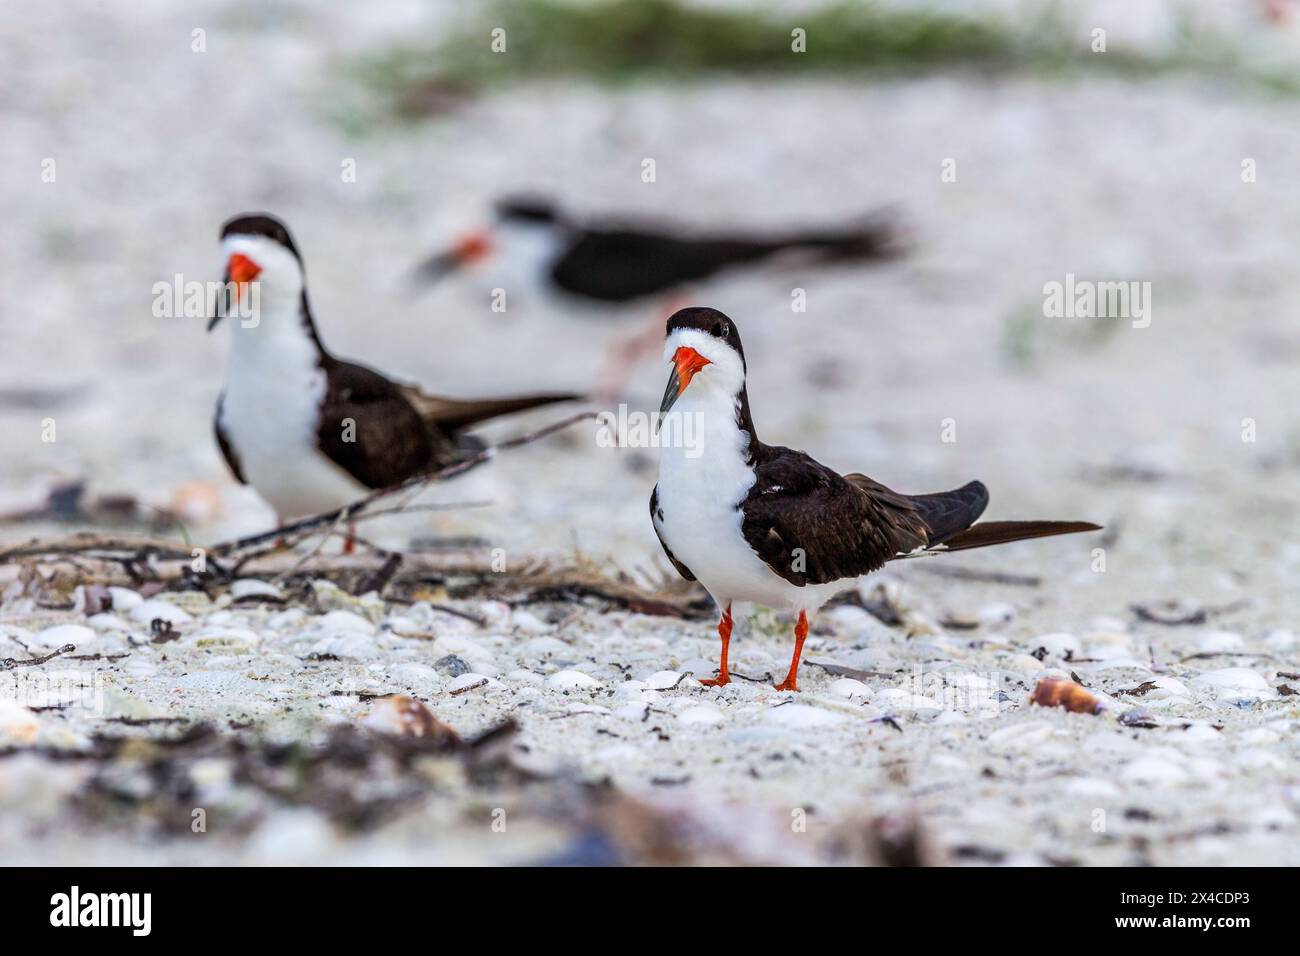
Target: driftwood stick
97, 546
340, 515
9, 663
416, 509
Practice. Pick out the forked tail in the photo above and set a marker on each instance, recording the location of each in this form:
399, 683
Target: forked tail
877, 236
988, 533
950, 518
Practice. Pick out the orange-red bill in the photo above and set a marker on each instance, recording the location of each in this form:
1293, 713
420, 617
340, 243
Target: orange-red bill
463, 252
472, 248
686, 362
241, 271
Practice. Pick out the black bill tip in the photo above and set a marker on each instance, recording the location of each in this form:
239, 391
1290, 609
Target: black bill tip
436, 268
671, 393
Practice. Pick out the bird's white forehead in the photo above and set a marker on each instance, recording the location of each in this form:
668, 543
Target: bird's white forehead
265, 252
708, 346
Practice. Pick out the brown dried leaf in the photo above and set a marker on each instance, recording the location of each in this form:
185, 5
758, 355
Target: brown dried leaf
1141, 690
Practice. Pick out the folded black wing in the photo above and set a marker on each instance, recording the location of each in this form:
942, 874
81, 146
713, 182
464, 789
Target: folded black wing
811, 525
368, 428
617, 265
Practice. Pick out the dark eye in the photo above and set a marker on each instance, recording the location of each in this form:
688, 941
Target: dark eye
721, 329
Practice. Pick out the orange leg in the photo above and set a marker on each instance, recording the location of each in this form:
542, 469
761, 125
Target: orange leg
724, 631
800, 632
350, 542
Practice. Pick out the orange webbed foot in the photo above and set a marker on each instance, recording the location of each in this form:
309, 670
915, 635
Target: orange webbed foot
788, 684
722, 680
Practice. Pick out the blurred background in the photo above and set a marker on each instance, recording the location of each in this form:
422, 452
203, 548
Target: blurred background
1011, 150
1012, 144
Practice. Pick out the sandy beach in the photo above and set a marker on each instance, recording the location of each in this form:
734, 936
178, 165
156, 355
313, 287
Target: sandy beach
913, 736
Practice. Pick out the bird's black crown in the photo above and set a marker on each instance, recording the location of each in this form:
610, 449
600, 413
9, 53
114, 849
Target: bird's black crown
260, 224
527, 209
709, 321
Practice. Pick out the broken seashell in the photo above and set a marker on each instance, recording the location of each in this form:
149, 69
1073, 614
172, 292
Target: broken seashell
1055, 692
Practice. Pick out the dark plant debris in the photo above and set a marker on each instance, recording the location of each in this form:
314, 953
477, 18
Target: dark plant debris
1179, 613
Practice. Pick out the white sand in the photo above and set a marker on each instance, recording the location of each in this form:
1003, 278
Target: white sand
1141, 431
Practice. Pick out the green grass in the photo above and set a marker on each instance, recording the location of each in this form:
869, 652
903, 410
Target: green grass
1028, 338
616, 41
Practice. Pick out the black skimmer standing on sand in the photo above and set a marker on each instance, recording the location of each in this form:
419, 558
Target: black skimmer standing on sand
309, 431
618, 262
761, 523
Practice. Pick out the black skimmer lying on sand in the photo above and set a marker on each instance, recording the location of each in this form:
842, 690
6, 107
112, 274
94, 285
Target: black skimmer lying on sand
618, 262
761, 523
622, 261
310, 431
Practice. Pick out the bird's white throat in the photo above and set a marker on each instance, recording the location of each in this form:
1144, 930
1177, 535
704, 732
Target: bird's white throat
520, 265
713, 467
274, 358
702, 444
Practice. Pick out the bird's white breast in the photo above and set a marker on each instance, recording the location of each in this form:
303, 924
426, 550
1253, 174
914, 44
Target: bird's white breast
270, 412
700, 490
